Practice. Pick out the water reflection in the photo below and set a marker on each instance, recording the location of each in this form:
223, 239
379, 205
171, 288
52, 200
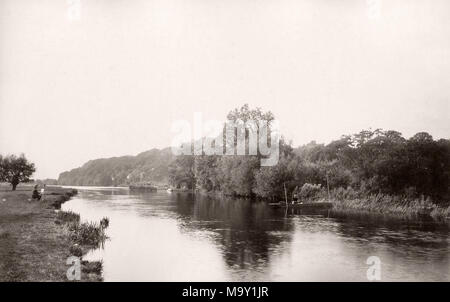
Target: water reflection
181, 237
246, 231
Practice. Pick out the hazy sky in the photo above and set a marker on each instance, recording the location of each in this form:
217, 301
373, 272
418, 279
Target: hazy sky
114, 81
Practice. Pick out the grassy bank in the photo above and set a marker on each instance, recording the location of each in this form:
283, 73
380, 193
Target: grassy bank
350, 201
36, 240
391, 205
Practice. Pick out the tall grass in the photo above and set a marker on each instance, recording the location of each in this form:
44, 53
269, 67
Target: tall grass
88, 233
68, 216
441, 213
348, 199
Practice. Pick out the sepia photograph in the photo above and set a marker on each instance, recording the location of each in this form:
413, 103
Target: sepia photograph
222, 147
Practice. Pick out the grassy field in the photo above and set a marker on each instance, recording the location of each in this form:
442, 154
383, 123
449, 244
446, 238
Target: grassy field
34, 244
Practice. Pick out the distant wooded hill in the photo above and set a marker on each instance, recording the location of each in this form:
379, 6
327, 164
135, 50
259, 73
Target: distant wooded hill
149, 166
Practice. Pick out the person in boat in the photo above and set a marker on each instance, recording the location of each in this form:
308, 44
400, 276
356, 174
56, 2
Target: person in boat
36, 194
295, 196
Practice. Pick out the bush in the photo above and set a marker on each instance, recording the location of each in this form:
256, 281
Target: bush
310, 191
343, 194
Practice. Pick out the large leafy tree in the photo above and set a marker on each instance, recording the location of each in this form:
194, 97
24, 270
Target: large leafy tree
182, 171
271, 181
252, 118
15, 169
207, 172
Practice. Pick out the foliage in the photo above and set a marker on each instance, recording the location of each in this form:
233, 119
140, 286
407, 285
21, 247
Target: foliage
381, 162
182, 172
237, 174
310, 191
364, 163
15, 169
270, 181
231, 174
207, 173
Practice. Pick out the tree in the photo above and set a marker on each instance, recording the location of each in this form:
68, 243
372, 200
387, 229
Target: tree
207, 172
182, 171
236, 174
252, 119
271, 181
14, 170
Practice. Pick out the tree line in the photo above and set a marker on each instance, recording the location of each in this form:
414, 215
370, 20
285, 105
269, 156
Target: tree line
369, 162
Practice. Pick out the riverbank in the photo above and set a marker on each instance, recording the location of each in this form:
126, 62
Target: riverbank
348, 201
35, 242
380, 204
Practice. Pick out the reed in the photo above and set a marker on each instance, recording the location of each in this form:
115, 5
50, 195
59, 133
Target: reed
441, 213
104, 223
88, 233
68, 216
390, 205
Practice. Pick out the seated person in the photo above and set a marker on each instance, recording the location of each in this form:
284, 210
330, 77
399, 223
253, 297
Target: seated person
294, 198
36, 194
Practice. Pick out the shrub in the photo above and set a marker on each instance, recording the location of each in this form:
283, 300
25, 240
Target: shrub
343, 194
310, 191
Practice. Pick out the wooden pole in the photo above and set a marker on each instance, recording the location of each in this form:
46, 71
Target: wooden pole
285, 193
328, 187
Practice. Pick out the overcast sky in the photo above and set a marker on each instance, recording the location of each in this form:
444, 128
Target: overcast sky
114, 81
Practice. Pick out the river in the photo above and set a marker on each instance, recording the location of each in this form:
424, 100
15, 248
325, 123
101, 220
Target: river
178, 237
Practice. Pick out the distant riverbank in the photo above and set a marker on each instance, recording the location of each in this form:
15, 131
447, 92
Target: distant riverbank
35, 239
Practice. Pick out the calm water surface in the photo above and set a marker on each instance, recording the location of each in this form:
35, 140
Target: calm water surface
177, 237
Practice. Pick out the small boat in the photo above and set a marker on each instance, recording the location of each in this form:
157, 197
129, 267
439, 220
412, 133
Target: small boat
179, 190
143, 187
425, 211
303, 206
